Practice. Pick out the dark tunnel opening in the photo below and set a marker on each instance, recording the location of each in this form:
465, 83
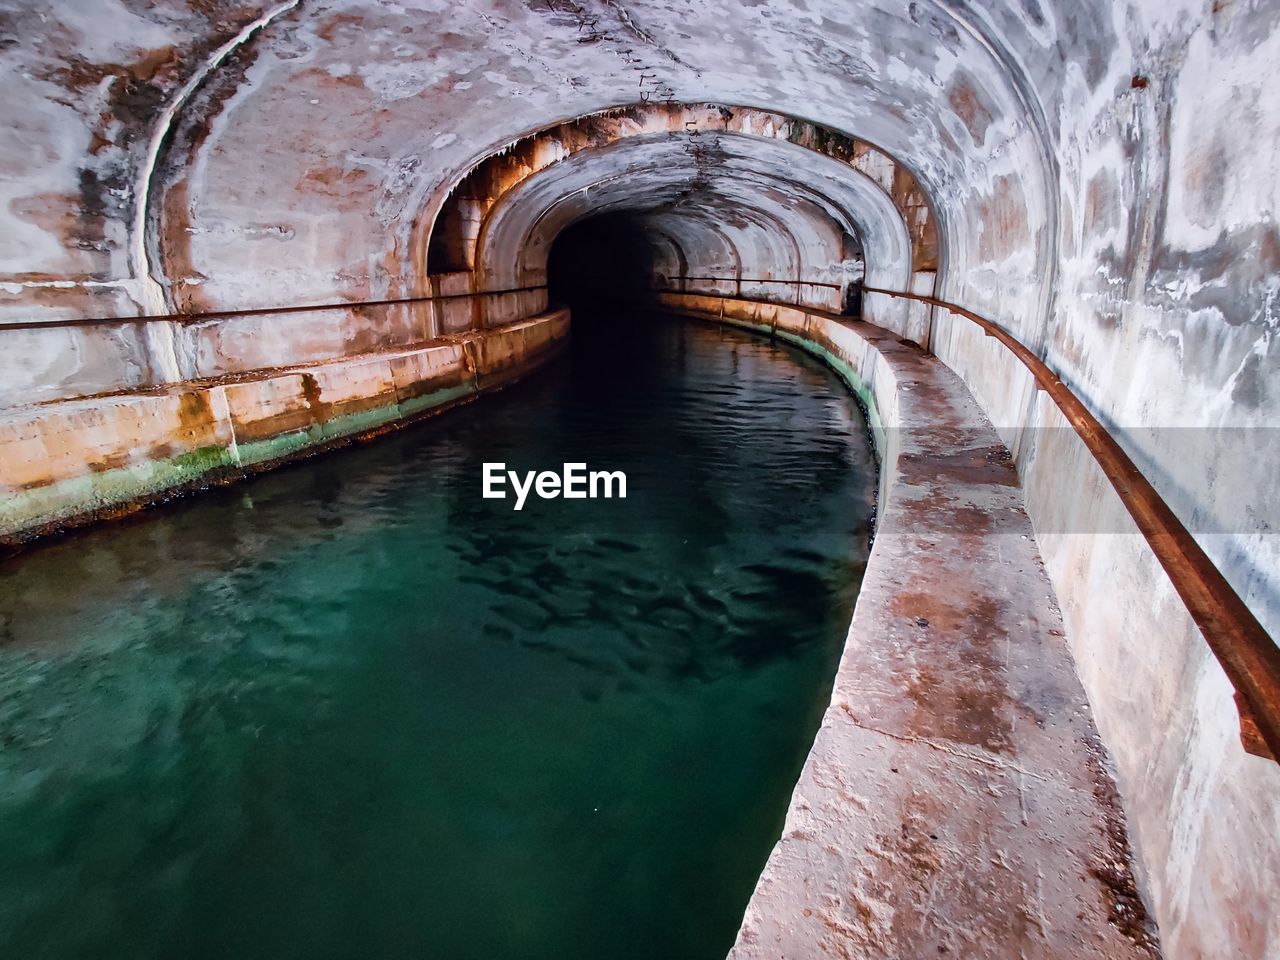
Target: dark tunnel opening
602, 267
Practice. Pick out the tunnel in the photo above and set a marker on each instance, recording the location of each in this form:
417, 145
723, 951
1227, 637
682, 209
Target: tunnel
603, 267
581, 478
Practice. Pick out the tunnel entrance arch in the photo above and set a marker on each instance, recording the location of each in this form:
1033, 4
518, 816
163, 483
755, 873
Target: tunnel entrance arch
737, 200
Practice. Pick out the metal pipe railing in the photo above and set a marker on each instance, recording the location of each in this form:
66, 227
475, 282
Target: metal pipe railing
740, 280
1247, 653
256, 311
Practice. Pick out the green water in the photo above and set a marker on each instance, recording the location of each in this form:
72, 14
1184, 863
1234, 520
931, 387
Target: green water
351, 709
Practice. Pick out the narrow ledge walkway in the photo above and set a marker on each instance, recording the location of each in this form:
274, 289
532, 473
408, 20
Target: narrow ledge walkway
956, 801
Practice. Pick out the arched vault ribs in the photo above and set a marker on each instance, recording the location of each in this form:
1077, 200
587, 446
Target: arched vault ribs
757, 204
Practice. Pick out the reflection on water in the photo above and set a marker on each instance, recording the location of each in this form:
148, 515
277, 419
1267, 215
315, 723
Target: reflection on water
352, 709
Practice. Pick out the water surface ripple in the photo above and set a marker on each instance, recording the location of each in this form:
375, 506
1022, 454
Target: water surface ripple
352, 709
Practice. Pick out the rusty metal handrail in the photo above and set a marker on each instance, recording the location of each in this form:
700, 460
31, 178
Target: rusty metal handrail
1247, 653
255, 311
740, 280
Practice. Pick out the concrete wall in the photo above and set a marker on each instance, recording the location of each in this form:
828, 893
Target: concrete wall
73, 460
1202, 813
54, 362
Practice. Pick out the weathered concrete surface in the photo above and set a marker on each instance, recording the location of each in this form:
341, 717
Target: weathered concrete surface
1204, 813
1101, 171
785, 198
61, 362
782, 215
75, 460
957, 800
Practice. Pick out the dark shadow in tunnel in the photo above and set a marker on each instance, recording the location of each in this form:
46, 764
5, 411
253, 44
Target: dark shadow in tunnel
602, 269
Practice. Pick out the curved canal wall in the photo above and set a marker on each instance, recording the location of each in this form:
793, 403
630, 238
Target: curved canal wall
75, 460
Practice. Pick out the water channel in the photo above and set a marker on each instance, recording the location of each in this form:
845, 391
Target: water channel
352, 709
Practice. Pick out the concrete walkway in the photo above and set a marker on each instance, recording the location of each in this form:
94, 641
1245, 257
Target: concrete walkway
956, 800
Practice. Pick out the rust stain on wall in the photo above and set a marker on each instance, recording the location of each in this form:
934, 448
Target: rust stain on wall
967, 100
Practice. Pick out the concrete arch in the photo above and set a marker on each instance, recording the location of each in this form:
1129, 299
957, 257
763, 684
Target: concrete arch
479, 190
669, 257
799, 188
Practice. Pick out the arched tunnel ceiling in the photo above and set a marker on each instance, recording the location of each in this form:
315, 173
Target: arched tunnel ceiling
1101, 170
775, 153
358, 110
793, 201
